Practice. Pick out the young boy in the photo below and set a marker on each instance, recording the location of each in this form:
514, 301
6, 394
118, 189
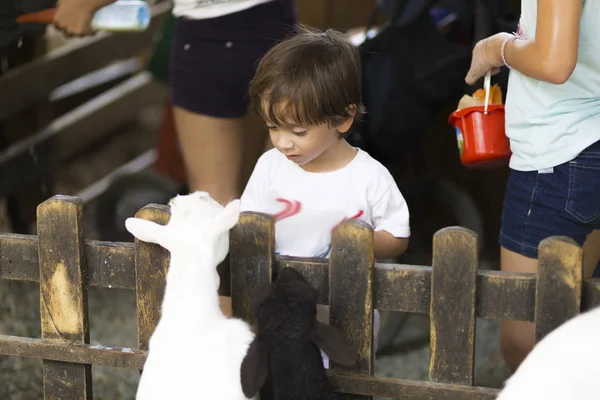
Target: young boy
307, 89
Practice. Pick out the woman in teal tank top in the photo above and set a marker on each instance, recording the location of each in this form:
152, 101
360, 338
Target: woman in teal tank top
553, 123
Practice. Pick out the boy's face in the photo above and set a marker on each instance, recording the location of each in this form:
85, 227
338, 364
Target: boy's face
304, 144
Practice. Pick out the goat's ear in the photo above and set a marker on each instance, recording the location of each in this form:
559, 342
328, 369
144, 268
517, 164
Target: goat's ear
254, 369
228, 217
332, 342
146, 231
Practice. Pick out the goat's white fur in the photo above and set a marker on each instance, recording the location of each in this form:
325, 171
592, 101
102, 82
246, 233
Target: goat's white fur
195, 351
565, 365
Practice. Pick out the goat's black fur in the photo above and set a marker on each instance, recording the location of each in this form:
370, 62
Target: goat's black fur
287, 343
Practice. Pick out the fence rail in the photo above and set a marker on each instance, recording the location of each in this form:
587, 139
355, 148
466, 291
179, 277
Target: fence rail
453, 292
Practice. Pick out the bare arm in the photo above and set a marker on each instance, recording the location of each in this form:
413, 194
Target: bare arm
551, 56
388, 246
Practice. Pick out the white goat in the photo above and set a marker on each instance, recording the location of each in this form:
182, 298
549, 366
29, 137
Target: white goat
195, 351
565, 365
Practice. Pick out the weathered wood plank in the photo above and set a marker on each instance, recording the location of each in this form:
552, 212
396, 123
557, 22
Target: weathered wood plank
122, 357
452, 316
343, 382
19, 257
500, 295
559, 280
351, 293
75, 130
505, 296
252, 246
251, 256
407, 389
402, 288
63, 293
151, 266
111, 264
32, 82
314, 270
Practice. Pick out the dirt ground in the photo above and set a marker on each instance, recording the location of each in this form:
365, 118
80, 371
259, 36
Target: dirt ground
112, 311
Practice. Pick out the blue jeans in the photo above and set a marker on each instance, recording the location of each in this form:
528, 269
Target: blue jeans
564, 201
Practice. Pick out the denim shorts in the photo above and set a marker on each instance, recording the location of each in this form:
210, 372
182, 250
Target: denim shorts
214, 59
563, 201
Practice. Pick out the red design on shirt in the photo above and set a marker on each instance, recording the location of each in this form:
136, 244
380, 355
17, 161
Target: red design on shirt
290, 209
355, 216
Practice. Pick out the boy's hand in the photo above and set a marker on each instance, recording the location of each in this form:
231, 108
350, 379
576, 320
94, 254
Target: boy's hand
74, 17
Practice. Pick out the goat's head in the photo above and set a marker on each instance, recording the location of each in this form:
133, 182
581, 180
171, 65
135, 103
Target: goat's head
197, 221
289, 308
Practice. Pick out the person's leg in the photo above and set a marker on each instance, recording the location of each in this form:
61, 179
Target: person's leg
517, 254
211, 148
240, 140
255, 141
208, 110
535, 208
591, 253
212, 62
517, 338
582, 202
212, 152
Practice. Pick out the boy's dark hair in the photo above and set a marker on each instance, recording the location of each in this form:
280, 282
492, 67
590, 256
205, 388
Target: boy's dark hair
310, 78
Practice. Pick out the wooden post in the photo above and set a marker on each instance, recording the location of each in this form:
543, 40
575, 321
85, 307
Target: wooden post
252, 259
351, 293
251, 254
151, 266
559, 281
452, 314
63, 293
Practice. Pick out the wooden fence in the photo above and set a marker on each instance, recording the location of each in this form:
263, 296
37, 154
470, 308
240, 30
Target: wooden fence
452, 292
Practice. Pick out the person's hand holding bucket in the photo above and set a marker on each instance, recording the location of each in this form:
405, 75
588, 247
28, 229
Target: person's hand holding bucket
487, 57
479, 125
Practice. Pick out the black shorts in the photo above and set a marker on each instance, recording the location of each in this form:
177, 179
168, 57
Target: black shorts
213, 60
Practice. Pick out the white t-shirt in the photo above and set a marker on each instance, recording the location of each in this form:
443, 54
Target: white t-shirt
551, 124
203, 9
309, 205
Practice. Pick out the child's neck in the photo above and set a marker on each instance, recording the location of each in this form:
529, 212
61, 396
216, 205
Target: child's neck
336, 157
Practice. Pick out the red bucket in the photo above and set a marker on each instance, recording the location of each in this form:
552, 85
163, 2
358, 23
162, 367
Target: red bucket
482, 142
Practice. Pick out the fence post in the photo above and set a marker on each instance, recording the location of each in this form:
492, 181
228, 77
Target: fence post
151, 266
351, 293
452, 313
63, 293
558, 285
252, 260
